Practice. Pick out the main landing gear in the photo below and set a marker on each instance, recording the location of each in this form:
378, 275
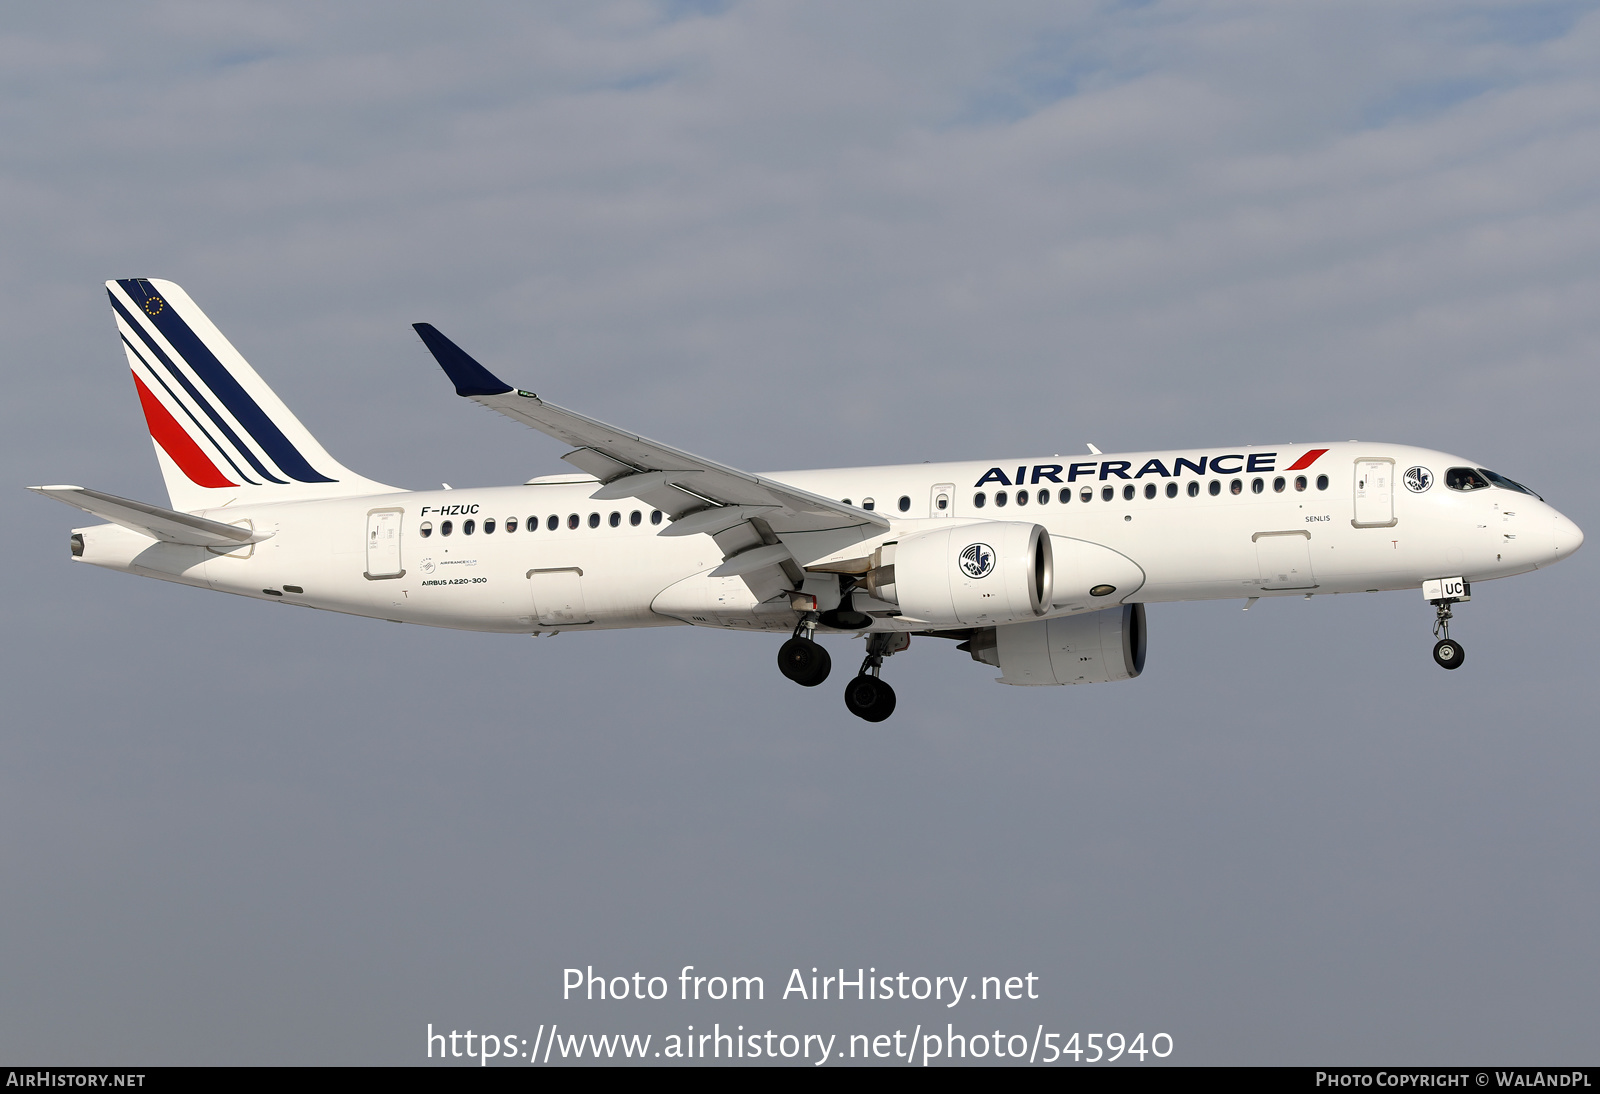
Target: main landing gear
803, 660
1447, 652
868, 696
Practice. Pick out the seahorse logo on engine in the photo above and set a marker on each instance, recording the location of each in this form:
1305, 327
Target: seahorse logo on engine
978, 560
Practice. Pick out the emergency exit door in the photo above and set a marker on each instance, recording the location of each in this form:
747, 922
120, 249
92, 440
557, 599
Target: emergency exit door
942, 501
383, 544
1374, 494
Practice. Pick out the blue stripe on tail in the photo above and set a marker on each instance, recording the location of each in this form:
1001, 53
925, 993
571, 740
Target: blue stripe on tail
198, 356
194, 393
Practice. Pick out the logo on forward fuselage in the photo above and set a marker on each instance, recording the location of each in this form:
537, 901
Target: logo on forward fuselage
977, 560
1418, 479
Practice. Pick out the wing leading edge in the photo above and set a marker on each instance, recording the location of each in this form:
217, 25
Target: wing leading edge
749, 516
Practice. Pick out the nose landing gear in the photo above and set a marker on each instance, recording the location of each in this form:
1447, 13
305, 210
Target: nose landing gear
867, 696
1447, 652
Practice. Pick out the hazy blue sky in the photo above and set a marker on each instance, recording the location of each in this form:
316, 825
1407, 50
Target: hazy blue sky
801, 235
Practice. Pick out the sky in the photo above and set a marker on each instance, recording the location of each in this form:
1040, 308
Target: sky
803, 235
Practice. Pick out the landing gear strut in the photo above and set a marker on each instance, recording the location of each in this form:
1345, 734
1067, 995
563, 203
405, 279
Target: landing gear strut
803, 659
867, 696
1447, 652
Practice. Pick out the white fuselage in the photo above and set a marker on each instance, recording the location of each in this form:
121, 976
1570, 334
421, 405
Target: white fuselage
1266, 542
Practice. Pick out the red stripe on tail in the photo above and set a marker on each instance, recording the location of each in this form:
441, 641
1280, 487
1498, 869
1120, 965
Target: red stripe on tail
1307, 460
177, 443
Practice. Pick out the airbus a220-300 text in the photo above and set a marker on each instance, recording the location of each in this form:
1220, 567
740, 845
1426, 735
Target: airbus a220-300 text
1041, 567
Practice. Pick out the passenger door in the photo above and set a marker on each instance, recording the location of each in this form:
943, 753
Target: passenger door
1374, 494
383, 544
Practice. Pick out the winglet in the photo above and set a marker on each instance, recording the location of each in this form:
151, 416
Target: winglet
469, 377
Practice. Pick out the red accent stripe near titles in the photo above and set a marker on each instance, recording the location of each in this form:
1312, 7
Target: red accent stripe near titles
1307, 460
177, 443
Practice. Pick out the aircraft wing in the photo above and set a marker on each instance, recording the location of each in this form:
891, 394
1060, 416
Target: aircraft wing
761, 524
152, 520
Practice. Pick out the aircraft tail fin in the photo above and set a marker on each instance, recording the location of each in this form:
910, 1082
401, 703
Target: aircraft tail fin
220, 433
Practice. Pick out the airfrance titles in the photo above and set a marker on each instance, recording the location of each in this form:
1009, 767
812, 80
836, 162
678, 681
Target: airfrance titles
1101, 470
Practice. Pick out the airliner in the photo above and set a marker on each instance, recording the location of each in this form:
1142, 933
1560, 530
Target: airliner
1041, 567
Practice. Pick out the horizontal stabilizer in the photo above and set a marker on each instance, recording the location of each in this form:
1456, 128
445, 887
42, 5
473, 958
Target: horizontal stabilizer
152, 520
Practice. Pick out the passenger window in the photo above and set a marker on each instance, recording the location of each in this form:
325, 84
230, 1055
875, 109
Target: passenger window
845, 501
1149, 489
1299, 482
868, 504
1172, 489
554, 522
511, 524
573, 520
615, 520
979, 500
1065, 495
1108, 492
1194, 489
1022, 497
1127, 492
594, 520
1215, 488
1000, 498
468, 526
1322, 482
942, 502
634, 518
1464, 478
1044, 497
1236, 487
655, 516
905, 503
446, 527
1256, 486
488, 526
1278, 485
1086, 494
425, 529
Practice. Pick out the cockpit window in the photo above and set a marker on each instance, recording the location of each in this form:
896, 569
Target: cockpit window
1465, 478
1509, 484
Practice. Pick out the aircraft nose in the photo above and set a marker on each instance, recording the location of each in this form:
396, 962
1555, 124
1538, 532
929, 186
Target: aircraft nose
1569, 537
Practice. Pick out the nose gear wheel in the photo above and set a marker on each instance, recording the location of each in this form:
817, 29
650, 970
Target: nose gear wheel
1447, 652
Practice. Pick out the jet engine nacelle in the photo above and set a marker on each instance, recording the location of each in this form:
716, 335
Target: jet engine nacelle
970, 574
1089, 648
